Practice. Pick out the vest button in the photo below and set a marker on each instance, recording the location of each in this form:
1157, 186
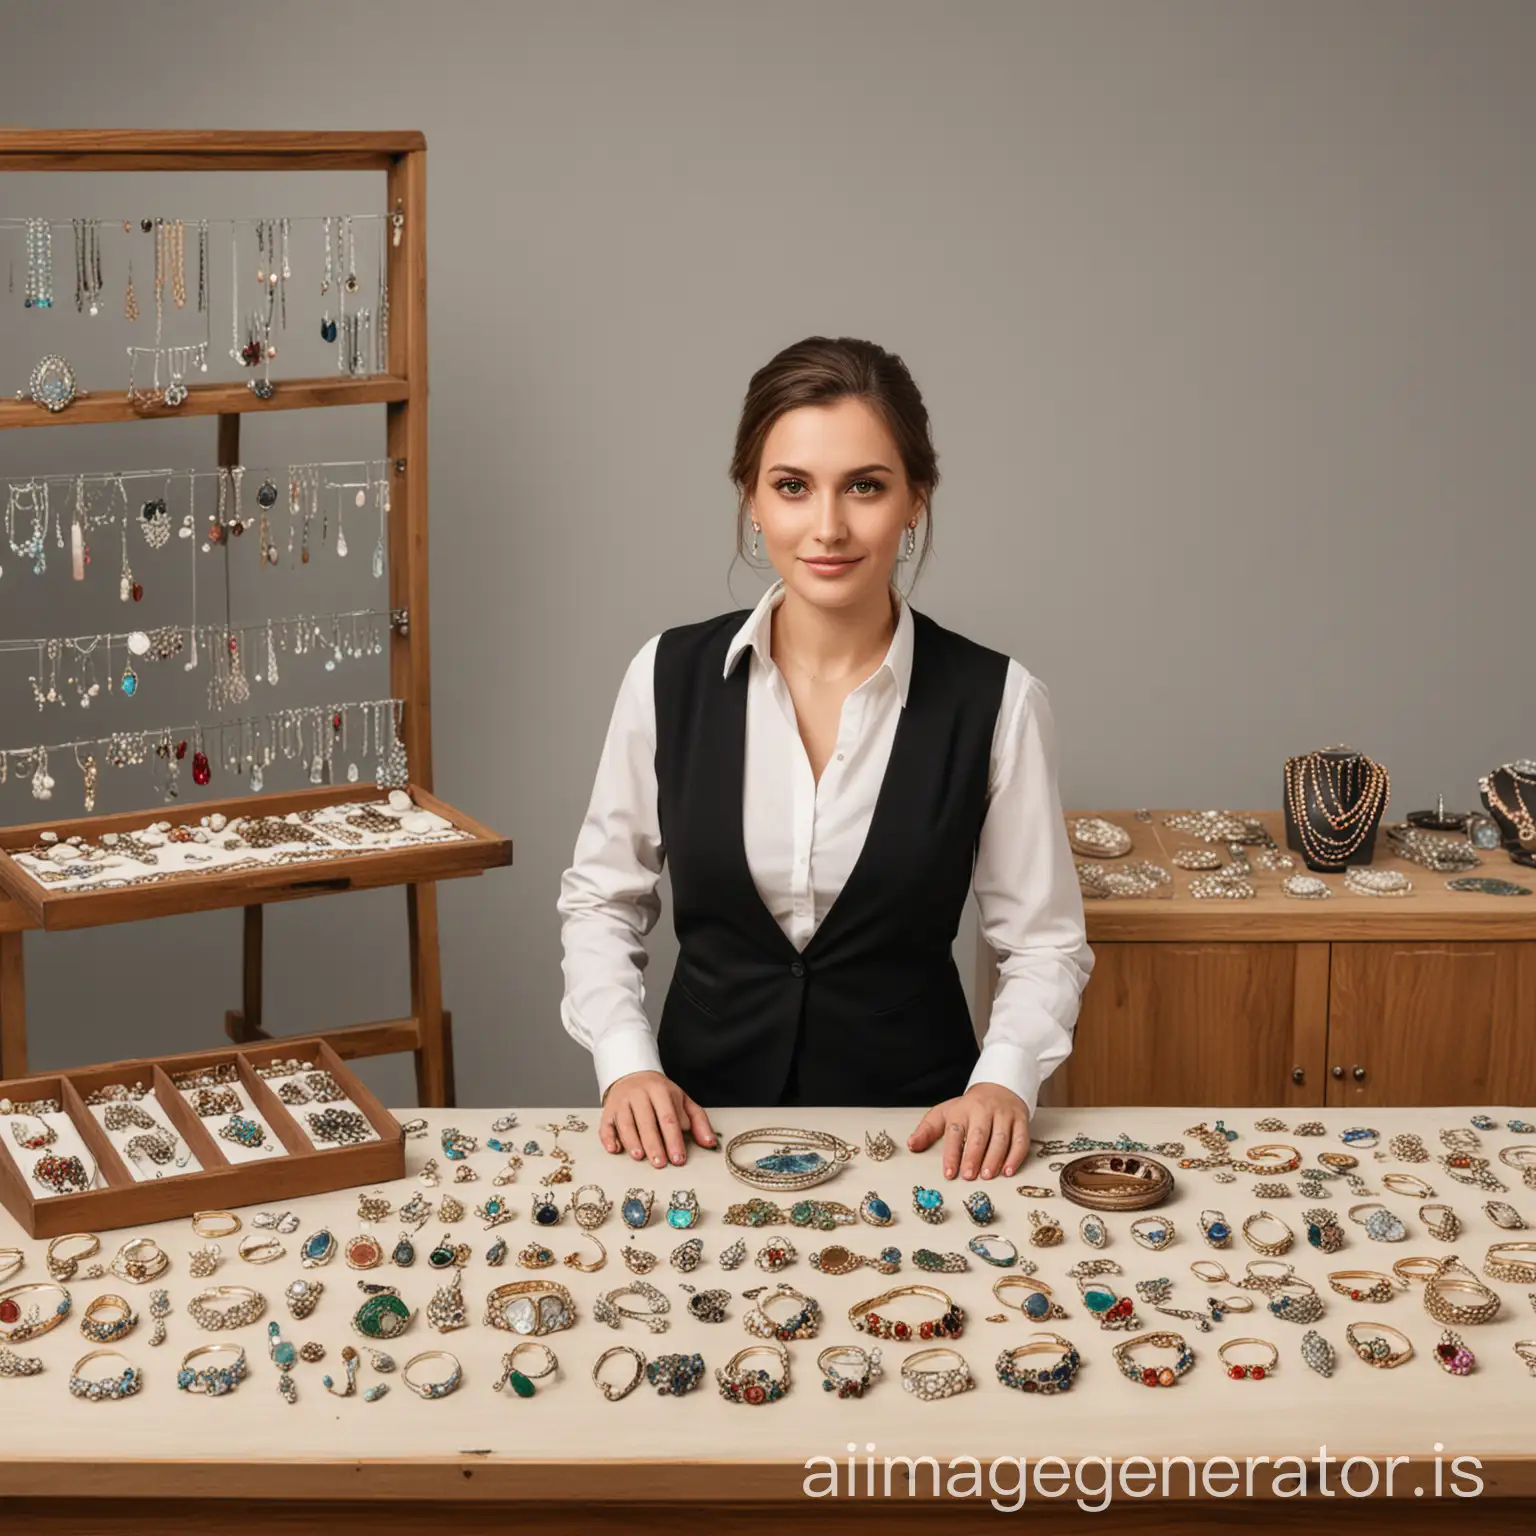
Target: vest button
797, 969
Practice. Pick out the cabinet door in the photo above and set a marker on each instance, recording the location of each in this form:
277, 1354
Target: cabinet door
1209, 1025
1432, 1023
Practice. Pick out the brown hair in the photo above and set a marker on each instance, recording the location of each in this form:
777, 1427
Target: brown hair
818, 371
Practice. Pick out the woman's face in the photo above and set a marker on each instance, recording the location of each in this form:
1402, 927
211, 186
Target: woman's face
833, 502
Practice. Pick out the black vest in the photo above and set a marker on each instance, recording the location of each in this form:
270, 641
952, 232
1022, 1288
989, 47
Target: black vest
872, 1011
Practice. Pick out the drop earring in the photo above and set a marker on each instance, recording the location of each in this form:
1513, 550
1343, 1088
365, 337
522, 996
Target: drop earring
908, 544
756, 548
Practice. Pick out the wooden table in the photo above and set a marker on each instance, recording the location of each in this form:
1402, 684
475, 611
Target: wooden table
1352, 1001
569, 1461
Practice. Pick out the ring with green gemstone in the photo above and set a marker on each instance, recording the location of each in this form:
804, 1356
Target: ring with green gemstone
521, 1381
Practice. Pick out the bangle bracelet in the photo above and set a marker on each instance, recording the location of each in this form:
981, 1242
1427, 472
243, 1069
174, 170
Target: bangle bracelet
213, 1381
1270, 1247
1046, 1381
739, 1384
62, 1266
1408, 1184
431, 1390
123, 1385
1373, 1343
924, 1377
1116, 1181
1037, 1304
1240, 1372
1497, 1264
802, 1324
533, 1307
864, 1368
226, 1306
612, 1393
1380, 1288
1150, 1375
1452, 1281
798, 1159
108, 1330
19, 1322
993, 1248
865, 1317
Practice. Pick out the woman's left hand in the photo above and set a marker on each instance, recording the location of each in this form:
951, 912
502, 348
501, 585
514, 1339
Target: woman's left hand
985, 1130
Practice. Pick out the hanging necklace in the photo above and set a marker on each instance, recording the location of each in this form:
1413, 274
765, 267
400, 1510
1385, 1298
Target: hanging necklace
1520, 812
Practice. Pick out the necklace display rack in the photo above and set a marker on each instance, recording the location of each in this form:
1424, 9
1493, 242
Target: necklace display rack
402, 390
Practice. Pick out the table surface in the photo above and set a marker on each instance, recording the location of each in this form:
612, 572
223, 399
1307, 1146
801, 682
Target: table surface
1359, 1411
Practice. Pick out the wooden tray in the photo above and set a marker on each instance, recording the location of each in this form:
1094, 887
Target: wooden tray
54, 909
221, 1185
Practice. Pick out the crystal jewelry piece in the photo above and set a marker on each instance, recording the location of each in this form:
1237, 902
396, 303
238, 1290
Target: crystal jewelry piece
1373, 1343
302, 1297
1154, 1376
107, 1319
1483, 886
546, 1210
106, 1388
860, 1365
1093, 1231
432, 1390
533, 1307
741, 1384
1045, 1382
1317, 1353
682, 1209
675, 1375
1504, 1215
458, 1144
1046, 1232
1038, 1303
1255, 1371
227, 1306
1445, 1288
140, 1260
1381, 1225
52, 385
450, 1210
687, 1255
590, 1213
1270, 1247
317, 1249
880, 1146
448, 1254
776, 1255
63, 1266
364, 1252
12, 1364
803, 1323
445, 1311
939, 1263
1215, 1229
635, 1211
638, 1261
64, 1175
1295, 1301
1452, 1355
928, 1380
349, 1360
978, 1206
204, 1261
732, 1257
612, 1393
1113, 1311
929, 1204
1098, 838
1152, 1232
374, 1207
522, 1382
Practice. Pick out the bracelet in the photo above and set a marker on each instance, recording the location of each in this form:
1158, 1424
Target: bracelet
531, 1307
1116, 1181
1516, 1271
1239, 1372
993, 1248
226, 1306
1270, 1247
865, 1368
213, 1381
18, 1326
1382, 1288
1253, 1280
63, 1266
124, 1385
803, 1324
433, 1389
113, 1328
1058, 1378
1453, 1278
948, 1325
741, 1385
1377, 1350
928, 1381
215, 1223
612, 1393
1037, 1304
1151, 1375
799, 1159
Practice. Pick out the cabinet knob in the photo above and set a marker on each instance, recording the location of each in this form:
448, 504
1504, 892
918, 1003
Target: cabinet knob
1358, 1074
1337, 1071
1298, 1075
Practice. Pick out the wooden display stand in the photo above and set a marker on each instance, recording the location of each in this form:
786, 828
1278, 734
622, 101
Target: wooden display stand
1349, 1002
403, 392
303, 1169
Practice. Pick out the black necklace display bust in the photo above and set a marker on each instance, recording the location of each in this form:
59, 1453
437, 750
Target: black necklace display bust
1334, 800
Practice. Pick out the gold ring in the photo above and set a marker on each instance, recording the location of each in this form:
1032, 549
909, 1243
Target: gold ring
575, 1260
216, 1223
1378, 1351
1514, 1271
1249, 1372
1269, 1247
63, 1266
260, 1250
108, 1331
11, 1259
1408, 1184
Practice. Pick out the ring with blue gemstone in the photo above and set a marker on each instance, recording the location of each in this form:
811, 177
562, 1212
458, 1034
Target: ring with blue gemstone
546, 1210
636, 1208
1215, 1228
875, 1211
928, 1203
682, 1209
979, 1207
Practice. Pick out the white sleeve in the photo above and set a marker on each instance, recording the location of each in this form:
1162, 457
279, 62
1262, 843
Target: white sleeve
608, 899
1031, 908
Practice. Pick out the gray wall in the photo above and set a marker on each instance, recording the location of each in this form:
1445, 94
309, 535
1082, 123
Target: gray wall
1222, 311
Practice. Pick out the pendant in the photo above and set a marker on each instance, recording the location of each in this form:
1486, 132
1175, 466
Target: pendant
130, 680
405, 1252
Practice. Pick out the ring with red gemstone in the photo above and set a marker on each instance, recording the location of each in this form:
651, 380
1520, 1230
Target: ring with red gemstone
1240, 1370
1453, 1356
364, 1252
740, 1384
20, 1321
867, 1316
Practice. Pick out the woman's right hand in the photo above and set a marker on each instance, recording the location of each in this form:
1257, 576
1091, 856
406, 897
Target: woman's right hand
645, 1115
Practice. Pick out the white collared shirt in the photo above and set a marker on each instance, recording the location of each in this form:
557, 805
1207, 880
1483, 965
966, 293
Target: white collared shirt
802, 841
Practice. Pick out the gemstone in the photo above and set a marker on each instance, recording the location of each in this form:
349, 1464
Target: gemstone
130, 684
1165, 1377
363, 1253
1037, 1305
679, 1216
1098, 1298
521, 1315
405, 1253
547, 1215
1218, 1231
138, 591
634, 1213
552, 1314
10, 1312
791, 1162
879, 1210
520, 1383
284, 1353
318, 1246
929, 1199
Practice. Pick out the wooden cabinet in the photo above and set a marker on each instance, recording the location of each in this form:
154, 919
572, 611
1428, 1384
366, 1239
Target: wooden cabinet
1347, 1001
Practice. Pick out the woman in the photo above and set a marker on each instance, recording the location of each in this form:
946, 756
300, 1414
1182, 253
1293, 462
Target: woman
826, 777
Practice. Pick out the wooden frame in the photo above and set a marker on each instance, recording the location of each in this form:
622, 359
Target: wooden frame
426, 1030
304, 1169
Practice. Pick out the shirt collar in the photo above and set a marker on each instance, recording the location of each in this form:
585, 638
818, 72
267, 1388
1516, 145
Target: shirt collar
756, 634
